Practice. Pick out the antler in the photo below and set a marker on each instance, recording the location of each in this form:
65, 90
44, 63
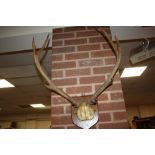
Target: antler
117, 52
49, 84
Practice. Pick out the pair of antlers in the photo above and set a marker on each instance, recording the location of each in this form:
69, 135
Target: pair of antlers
51, 86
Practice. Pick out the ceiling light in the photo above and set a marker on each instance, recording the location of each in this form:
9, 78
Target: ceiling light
133, 71
5, 84
37, 105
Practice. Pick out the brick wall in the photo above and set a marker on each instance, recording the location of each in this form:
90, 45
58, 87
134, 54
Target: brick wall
81, 61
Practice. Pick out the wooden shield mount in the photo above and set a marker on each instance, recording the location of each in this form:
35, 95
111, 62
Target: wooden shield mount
85, 113
88, 121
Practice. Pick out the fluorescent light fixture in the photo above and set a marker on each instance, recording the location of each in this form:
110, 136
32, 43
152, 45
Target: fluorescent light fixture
5, 84
133, 71
37, 105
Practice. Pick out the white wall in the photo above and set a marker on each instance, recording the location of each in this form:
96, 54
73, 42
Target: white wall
28, 121
140, 110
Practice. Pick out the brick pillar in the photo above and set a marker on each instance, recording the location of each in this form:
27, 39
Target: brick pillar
81, 61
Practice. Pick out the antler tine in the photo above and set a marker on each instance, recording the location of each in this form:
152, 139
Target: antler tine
118, 44
36, 59
46, 50
109, 81
46, 43
49, 84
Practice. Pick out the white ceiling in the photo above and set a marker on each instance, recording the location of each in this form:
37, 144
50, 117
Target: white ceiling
19, 69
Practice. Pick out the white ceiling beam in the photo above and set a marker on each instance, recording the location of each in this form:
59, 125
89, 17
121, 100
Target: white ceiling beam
12, 31
20, 43
132, 32
17, 38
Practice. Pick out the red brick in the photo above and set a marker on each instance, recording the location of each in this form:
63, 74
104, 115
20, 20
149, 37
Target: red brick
92, 27
115, 86
63, 36
116, 96
95, 27
119, 125
55, 94
111, 106
75, 28
117, 78
75, 41
77, 90
104, 117
119, 115
102, 70
106, 28
61, 120
95, 54
96, 39
91, 62
88, 47
57, 30
92, 79
59, 100
103, 97
76, 56
106, 46
94, 127
56, 50
57, 57
57, 74
110, 61
57, 43
58, 127
65, 82
108, 31
68, 109
62, 65
81, 98
78, 72
56, 110
73, 127
87, 33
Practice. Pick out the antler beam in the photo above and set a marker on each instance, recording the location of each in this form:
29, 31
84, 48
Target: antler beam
117, 52
48, 83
